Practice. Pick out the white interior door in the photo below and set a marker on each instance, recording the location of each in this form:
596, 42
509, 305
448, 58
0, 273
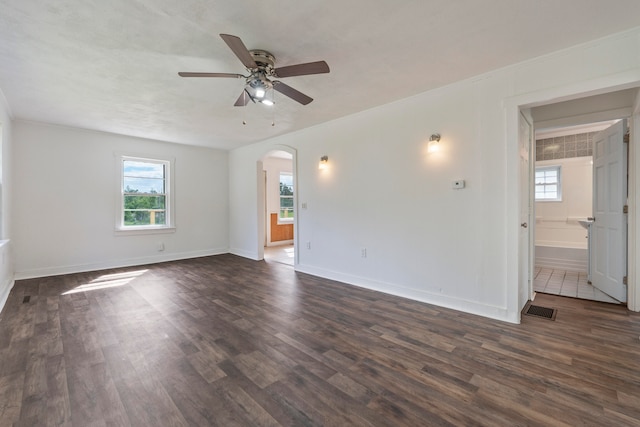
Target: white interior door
609, 230
524, 259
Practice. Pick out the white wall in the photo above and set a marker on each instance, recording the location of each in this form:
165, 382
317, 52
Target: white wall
383, 192
557, 222
6, 255
65, 196
273, 166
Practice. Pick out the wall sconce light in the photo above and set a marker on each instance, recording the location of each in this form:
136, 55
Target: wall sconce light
324, 163
434, 141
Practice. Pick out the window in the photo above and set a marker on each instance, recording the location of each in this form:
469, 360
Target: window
548, 185
286, 197
145, 202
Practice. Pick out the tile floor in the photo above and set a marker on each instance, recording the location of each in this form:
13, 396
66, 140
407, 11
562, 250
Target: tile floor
283, 254
567, 283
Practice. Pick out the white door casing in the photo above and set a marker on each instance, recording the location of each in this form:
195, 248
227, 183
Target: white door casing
608, 254
525, 132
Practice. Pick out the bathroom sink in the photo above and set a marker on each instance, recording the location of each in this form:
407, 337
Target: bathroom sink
586, 223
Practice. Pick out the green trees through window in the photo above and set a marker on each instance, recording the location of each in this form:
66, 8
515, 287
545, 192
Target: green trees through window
286, 196
144, 192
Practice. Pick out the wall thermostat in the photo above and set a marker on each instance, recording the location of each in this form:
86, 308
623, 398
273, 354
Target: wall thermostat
458, 184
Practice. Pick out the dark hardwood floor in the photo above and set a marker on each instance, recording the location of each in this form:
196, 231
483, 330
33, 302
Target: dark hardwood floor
227, 341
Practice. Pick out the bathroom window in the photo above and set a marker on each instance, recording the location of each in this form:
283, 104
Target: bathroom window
548, 184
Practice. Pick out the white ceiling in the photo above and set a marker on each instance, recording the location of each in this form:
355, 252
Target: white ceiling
112, 65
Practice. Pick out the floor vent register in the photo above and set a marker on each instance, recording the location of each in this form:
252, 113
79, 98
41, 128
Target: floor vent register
539, 311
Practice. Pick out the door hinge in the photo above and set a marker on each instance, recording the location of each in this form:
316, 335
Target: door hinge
626, 138
625, 209
624, 280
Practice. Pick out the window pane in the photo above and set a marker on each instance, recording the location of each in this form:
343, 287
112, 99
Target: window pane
286, 202
286, 213
286, 196
286, 190
144, 202
143, 185
136, 217
134, 168
144, 217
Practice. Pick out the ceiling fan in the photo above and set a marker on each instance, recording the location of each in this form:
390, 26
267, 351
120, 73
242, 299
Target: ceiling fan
262, 74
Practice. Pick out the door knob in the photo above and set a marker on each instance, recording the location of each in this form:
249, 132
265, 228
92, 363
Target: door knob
523, 225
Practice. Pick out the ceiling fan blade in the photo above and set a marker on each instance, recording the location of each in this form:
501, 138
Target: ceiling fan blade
291, 93
243, 99
318, 67
241, 51
187, 74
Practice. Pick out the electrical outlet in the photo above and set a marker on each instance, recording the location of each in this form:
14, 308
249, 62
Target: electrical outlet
308, 245
160, 246
363, 252
458, 184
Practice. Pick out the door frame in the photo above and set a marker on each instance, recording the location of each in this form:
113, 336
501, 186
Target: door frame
526, 277
261, 193
513, 107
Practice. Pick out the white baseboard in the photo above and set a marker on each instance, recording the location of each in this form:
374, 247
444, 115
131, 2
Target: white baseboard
81, 268
4, 293
459, 304
244, 254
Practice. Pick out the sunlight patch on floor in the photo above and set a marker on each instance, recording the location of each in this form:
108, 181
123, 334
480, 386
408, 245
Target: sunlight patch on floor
107, 281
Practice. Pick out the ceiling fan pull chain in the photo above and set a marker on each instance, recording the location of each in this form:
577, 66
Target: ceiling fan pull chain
273, 100
244, 110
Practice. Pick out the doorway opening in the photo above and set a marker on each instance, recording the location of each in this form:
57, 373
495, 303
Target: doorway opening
576, 137
279, 207
563, 205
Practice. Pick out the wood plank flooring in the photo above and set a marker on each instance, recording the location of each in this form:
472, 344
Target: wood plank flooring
225, 341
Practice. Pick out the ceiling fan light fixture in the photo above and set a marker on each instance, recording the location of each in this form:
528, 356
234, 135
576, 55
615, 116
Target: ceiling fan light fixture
267, 101
261, 67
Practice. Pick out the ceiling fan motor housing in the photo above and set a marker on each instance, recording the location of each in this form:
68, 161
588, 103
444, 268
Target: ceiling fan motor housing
264, 59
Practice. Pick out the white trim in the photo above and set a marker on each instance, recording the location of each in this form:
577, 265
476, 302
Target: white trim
633, 219
247, 254
139, 231
4, 296
118, 263
454, 303
6, 273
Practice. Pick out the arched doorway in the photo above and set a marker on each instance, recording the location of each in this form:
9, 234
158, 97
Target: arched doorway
277, 201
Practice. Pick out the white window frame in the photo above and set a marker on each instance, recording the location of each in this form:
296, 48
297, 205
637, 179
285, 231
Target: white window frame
558, 170
286, 220
169, 227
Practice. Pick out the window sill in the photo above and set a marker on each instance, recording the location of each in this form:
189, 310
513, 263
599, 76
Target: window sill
133, 231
